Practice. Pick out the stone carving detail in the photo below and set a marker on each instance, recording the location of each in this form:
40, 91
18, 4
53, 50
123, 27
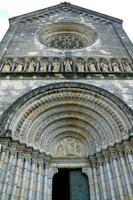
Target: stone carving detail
44, 65
68, 64
115, 65
19, 65
8, 64
91, 65
68, 147
126, 65
56, 67
80, 65
65, 41
31, 65
104, 66
67, 36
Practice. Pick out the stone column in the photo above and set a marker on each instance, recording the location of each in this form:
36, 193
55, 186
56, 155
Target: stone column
26, 177
18, 177
104, 184
124, 171
3, 154
3, 163
32, 184
48, 179
6, 188
40, 178
121, 189
93, 180
10, 184
110, 176
130, 161
45, 182
4, 167
129, 155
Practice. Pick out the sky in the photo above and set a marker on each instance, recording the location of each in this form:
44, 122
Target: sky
121, 9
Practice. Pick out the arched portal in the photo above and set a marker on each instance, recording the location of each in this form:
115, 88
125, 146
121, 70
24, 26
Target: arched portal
51, 116
72, 125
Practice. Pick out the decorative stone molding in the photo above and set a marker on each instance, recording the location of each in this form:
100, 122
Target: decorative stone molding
69, 147
66, 65
68, 108
67, 35
28, 153
65, 8
34, 167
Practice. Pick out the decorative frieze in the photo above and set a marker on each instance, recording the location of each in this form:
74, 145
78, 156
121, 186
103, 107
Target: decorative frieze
66, 65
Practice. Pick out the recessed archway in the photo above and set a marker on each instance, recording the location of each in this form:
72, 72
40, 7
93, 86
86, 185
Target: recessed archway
91, 116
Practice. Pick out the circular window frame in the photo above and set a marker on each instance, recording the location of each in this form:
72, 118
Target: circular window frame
85, 33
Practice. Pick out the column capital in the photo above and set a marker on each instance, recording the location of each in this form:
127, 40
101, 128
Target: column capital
128, 147
100, 158
113, 152
120, 149
93, 160
106, 154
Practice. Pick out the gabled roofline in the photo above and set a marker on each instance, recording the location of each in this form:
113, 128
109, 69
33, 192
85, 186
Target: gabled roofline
98, 14
51, 8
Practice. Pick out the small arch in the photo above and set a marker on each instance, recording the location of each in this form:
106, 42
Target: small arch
80, 64
91, 65
19, 65
68, 65
104, 65
44, 64
56, 65
8, 65
115, 65
126, 65
31, 64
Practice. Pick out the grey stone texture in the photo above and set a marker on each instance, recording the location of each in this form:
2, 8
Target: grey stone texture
21, 39
11, 90
68, 106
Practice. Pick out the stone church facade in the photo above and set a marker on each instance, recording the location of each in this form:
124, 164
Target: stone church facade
66, 103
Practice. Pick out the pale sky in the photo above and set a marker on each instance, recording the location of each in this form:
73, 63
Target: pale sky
117, 8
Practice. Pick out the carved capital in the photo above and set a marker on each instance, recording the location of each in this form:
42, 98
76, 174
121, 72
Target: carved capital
93, 160
100, 158
128, 147
106, 155
120, 149
113, 152
27, 157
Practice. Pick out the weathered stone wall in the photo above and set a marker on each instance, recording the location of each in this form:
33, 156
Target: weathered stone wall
22, 37
25, 172
11, 90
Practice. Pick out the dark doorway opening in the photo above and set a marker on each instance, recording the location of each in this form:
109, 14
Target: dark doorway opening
70, 184
61, 189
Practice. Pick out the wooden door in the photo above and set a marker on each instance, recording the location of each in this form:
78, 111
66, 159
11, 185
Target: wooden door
79, 188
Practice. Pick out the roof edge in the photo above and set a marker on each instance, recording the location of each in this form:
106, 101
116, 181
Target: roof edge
50, 8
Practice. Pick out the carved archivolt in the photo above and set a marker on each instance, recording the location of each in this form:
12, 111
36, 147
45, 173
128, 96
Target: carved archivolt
58, 65
52, 116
